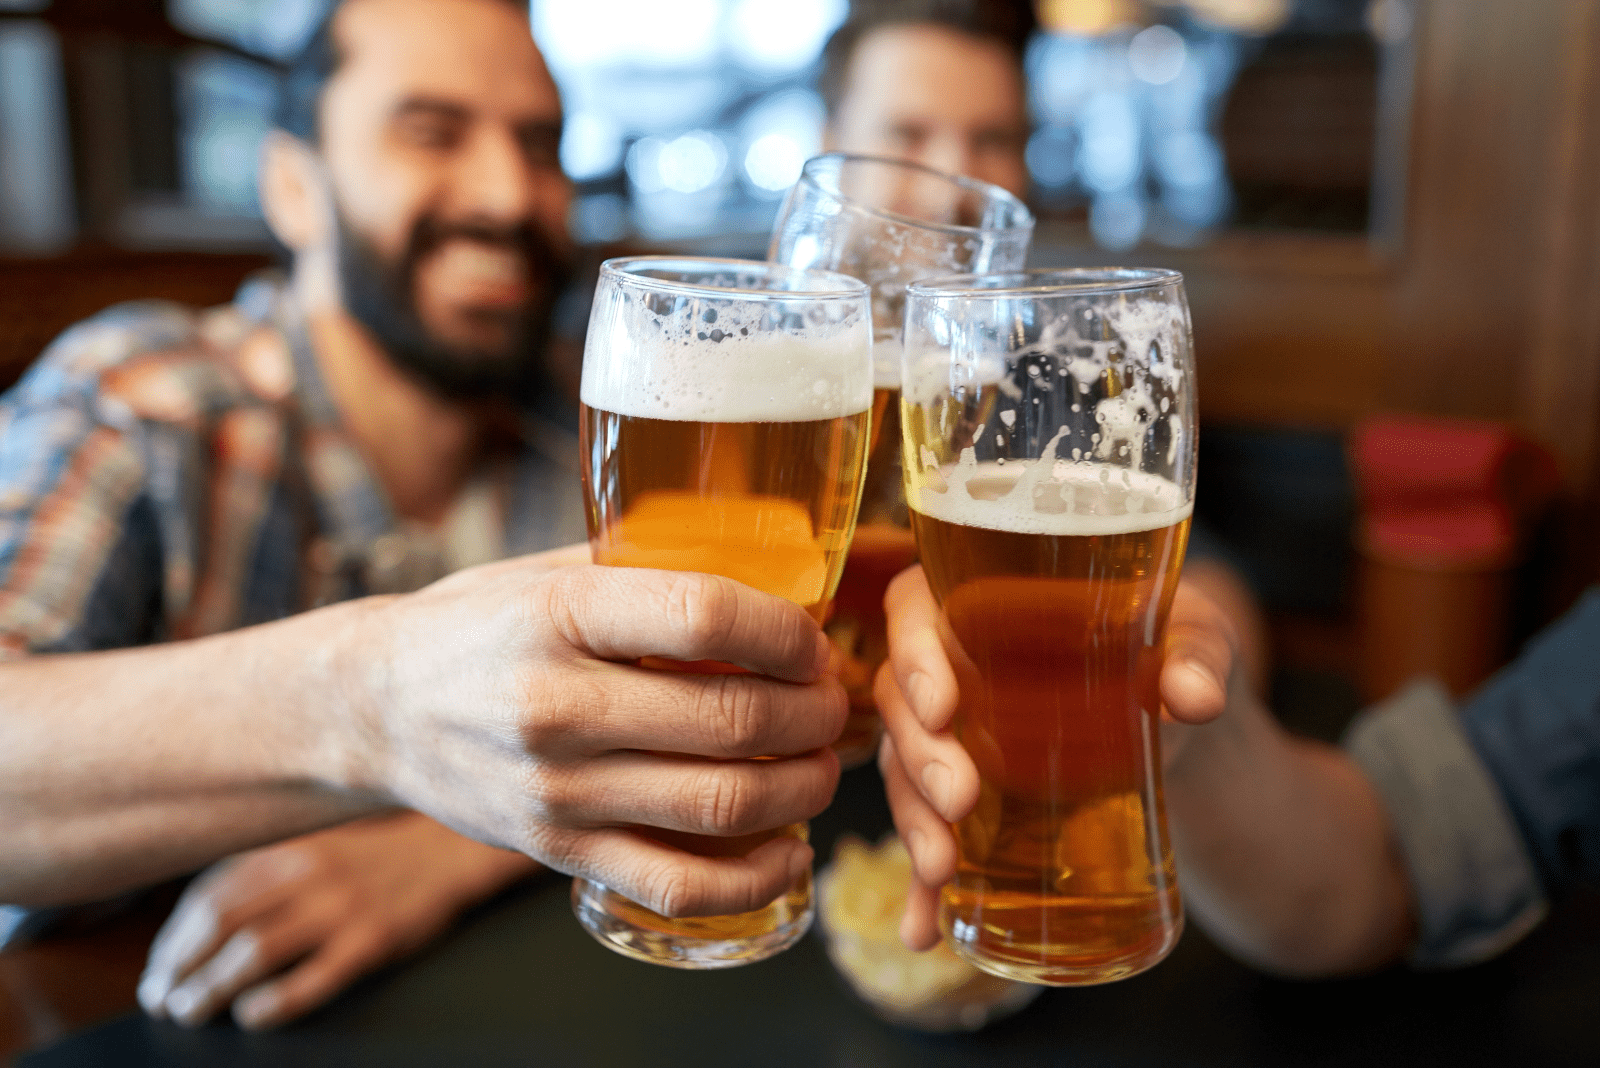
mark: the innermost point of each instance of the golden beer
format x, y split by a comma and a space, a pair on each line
1049, 458
767, 504
724, 430
883, 547
887, 222
1056, 629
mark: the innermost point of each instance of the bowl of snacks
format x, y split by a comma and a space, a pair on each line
860, 898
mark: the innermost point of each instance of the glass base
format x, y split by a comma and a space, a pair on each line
1067, 968
697, 943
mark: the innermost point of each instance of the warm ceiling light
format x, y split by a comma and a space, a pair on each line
1242, 16
1087, 18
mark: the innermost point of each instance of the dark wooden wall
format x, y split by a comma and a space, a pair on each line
1478, 291
41, 297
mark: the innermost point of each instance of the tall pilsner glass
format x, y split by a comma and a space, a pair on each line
724, 430
888, 222
1049, 435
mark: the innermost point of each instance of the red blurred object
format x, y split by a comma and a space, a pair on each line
1445, 506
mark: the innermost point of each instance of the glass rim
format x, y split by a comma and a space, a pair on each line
1047, 282
624, 269
808, 175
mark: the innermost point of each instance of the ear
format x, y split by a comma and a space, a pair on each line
294, 197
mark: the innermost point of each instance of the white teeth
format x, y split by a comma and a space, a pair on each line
482, 262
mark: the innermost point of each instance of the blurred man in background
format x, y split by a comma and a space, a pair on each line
943, 83
383, 418
938, 82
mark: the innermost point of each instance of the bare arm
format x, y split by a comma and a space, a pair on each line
501, 701
1284, 850
121, 768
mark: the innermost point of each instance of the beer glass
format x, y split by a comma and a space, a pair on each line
724, 423
1049, 436
887, 222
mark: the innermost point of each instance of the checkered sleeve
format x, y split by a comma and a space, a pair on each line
80, 561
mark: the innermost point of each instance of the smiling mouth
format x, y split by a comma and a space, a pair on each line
481, 273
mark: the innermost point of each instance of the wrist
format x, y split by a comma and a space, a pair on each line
353, 675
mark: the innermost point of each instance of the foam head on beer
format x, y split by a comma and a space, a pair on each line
725, 421
720, 356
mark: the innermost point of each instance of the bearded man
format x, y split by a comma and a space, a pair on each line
177, 480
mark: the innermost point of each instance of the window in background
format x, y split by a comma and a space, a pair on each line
36, 211
685, 120
1164, 120
272, 28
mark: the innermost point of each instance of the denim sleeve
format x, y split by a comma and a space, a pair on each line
1477, 891
1536, 725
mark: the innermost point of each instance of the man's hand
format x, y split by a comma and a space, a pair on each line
280, 930
930, 779
505, 702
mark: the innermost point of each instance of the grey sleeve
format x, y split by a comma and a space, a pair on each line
1476, 888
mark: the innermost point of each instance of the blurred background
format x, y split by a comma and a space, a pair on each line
1380, 206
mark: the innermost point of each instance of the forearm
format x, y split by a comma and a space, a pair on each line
1284, 849
122, 768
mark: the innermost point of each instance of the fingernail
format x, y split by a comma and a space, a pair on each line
936, 784
914, 842
182, 1003
152, 992
920, 692
251, 1010
1203, 673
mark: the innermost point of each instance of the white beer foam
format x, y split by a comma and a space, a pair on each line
765, 377
1048, 496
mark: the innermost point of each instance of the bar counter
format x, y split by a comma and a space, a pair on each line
519, 983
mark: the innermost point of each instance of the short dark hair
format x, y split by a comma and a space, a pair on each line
303, 79
1008, 22
305, 76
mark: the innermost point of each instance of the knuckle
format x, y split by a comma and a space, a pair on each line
560, 850
553, 600
541, 791
704, 608
671, 889
726, 801
553, 798
556, 714
733, 714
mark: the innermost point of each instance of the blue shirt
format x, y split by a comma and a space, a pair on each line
1496, 807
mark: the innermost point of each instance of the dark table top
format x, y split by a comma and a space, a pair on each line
520, 983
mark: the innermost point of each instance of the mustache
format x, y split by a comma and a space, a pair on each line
539, 252
379, 291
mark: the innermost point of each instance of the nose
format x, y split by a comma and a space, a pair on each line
494, 181
950, 153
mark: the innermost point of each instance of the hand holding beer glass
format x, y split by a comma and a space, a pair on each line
725, 409
1049, 435
887, 222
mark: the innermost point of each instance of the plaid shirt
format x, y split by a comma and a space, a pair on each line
167, 474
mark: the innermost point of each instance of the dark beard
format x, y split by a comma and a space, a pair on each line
382, 297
